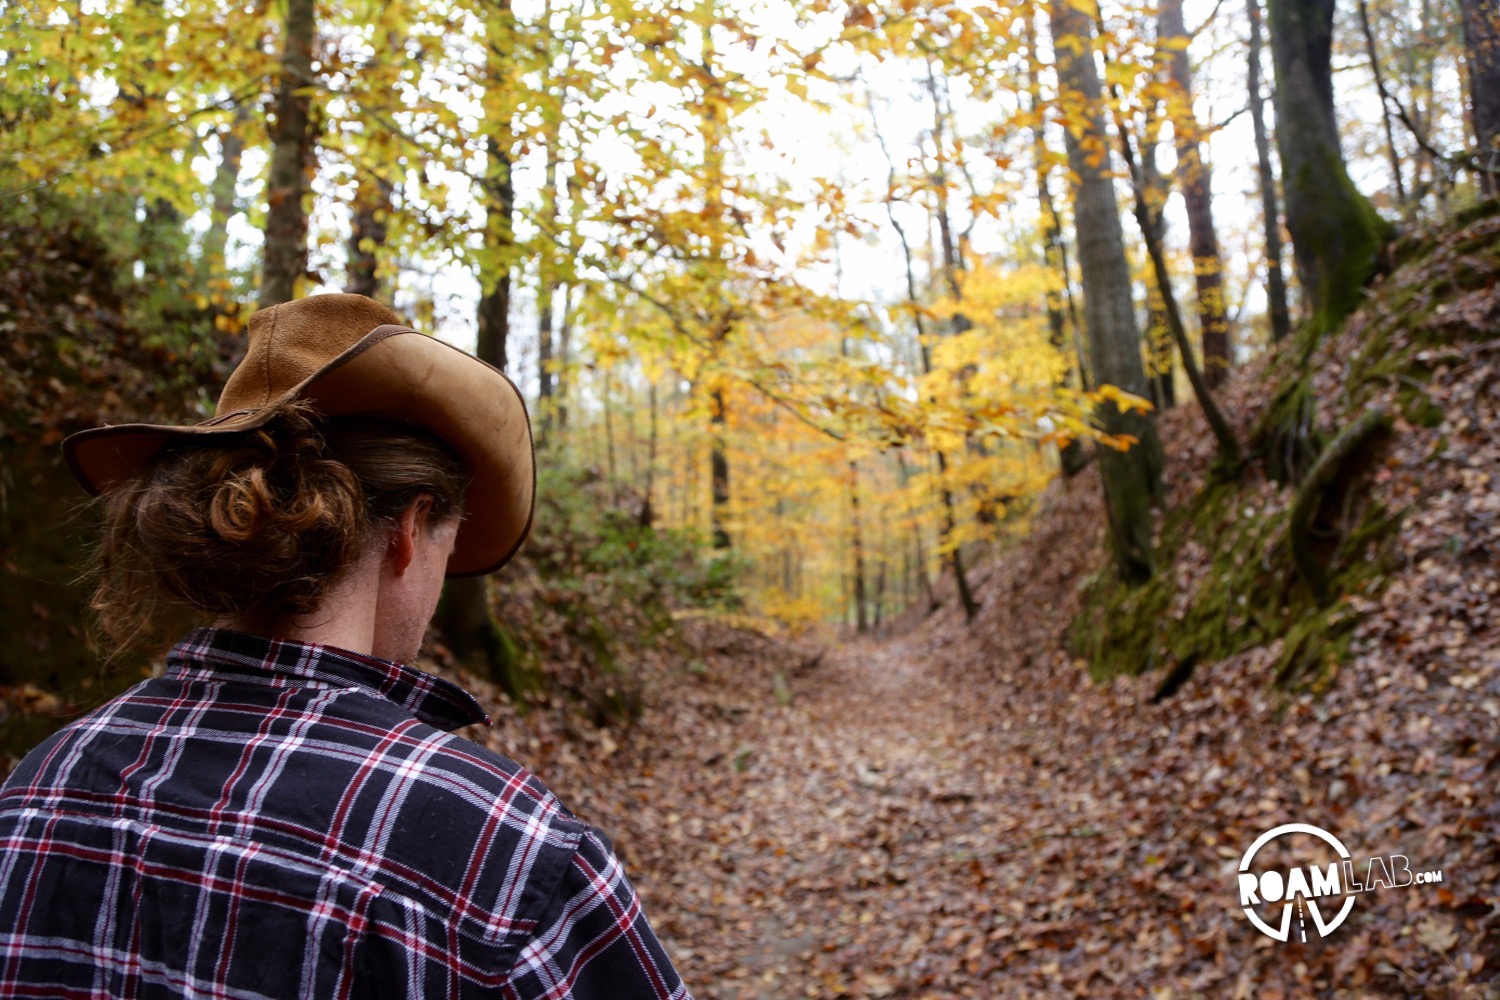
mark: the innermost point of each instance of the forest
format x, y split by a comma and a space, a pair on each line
996, 459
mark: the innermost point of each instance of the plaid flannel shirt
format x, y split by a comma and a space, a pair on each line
279, 819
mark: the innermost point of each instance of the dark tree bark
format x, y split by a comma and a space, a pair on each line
1131, 478
464, 614
291, 159
718, 465
1337, 235
1159, 347
924, 582
1059, 324
1148, 182
1193, 175
1281, 317
1391, 152
648, 513
551, 287
861, 619
950, 521
491, 343
1229, 449
953, 266
367, 233
222, 192
563, 349
1482, 53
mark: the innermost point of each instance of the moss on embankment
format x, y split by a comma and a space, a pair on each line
1283, 552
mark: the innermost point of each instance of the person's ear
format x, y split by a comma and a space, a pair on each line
402, 545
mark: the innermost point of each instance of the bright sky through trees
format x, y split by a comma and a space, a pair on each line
799, 243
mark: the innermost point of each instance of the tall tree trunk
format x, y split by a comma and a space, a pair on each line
1281, 317
1072, 456
1159, 346
1193, 174
924, 582
492, 339
291, 160
647, 515
606, 403
1148, 182
223, 194
498, 197
464, 614
161, 239
951, 246
1391, 152
1337, 235
1419, 63
950, 520
718, 464
1131, 478
1148, 216
545, 304
1482, 53
856, 528
549, 287
711, 131
1229, 448
367, 233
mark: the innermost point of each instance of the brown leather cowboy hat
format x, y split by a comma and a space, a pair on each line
350, 356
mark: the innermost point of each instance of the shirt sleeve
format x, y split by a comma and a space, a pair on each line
593, 940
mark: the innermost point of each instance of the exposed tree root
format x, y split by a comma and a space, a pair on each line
1321, 478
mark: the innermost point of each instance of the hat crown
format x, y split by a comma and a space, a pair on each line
291, 341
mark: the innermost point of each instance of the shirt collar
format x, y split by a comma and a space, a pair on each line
431, 699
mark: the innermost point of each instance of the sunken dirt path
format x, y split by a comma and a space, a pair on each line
961, 813
856, 839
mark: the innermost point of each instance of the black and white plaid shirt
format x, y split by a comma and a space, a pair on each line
278, 819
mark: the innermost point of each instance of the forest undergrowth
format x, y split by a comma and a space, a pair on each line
960, 810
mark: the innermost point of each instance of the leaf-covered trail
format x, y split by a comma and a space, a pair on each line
850, 829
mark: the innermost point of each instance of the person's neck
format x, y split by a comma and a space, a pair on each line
346, 618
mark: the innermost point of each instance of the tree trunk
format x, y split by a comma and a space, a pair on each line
1281, 317
924, 582
1071, 455
549, 288
647, 515
464, 615
491, 342
955, 558
1193, 175
1229, 449
1131, 478
1482, 53
222, 192
718, 463
861, 621
563, 348
1392, 153
1150, 184
291, 160
1149, 219
1337, 235
367, 233
1159, 346
606, 403
499, 200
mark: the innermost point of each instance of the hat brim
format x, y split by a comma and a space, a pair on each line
393, 373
